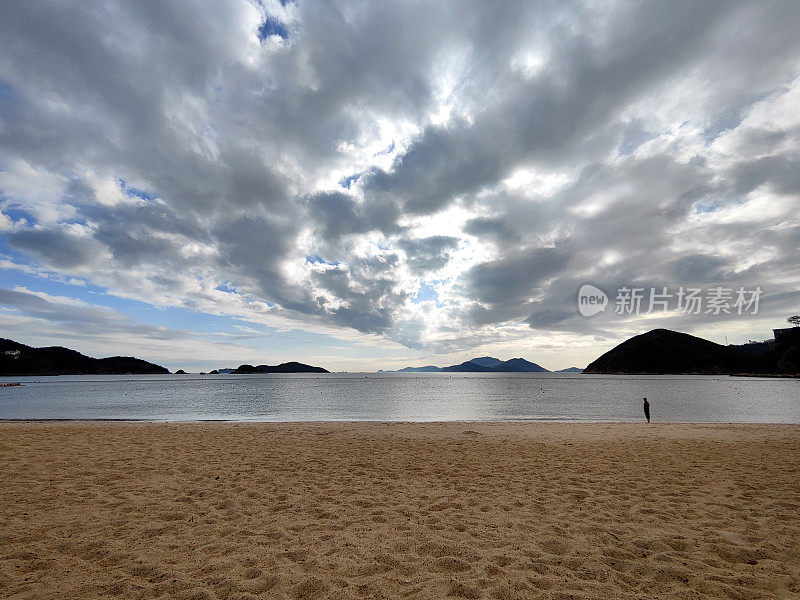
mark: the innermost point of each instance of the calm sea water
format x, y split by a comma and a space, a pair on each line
403, 397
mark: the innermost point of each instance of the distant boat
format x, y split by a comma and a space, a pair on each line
9, 384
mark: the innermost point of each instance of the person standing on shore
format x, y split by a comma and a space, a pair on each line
647, 409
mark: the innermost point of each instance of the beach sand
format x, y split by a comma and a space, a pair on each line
374, 510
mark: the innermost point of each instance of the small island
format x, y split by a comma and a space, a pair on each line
287, 367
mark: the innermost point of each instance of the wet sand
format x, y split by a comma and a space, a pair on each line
371, 510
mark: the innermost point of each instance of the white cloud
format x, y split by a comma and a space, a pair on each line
34, 189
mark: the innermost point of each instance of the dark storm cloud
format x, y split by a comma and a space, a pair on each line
57, 248
505, 288
255, 248
494, 228
428, 254
699, 267
783, 172
339, 214
369, 308
638, 125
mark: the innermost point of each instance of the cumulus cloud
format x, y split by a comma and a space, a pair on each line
442, 176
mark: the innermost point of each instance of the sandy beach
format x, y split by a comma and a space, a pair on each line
372, 510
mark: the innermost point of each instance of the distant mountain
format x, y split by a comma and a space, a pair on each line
467, 367
426, 369
479, 365
662, 351
518, 365
288, 367
486, 361
19, 359
570, 370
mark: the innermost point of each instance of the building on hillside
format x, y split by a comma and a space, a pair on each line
786, 334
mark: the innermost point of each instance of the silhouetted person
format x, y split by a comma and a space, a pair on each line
647, 409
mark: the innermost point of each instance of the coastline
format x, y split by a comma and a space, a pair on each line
220, 509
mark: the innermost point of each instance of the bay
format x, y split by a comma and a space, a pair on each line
404, 397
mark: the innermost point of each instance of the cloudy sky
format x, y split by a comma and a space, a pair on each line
364, 185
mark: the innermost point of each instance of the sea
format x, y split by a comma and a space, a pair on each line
423, 397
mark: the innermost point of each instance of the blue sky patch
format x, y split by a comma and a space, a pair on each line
346, 182
5, 90
707, 206
272, 26
316, 258
132, 191
388, 150
15, 213
427, 292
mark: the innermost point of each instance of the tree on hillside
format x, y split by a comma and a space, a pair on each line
794, 320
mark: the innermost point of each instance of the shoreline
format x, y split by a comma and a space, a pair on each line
351, 510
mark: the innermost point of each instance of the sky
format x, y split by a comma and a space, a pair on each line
366, 185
